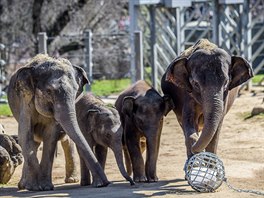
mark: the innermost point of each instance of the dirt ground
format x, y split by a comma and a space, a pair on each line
241, 149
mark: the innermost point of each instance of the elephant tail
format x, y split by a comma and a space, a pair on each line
127, 161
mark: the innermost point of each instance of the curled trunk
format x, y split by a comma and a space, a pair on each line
213, 114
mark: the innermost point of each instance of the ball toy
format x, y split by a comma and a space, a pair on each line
205, 172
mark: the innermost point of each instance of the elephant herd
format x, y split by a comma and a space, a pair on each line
46, 98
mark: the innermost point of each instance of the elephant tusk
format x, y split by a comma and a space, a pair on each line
79, 97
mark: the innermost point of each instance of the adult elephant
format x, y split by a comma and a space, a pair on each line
42, 98
141, 110
203, 83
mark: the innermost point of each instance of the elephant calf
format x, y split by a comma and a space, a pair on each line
101, 127
141, 110
10, 157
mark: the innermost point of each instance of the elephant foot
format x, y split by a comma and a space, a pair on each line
71, 180
153, 179
140, 178
28, 186
46, 186
85, 182
98, 183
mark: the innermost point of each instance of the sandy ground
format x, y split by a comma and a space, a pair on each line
241, 149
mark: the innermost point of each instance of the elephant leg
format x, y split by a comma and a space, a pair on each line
24, 182
85, 173
70, 160
133, 145
153, 142
190, 128
49, 146
29, 179
101, 154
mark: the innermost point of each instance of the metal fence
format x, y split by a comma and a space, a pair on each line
170, 26
89, 48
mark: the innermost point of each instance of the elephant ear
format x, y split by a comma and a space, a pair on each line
81, 76
24, 82
178, 74
169, 105
241, 71
128, 105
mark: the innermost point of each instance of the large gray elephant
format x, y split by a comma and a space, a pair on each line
101, 126
203, 83
42, 98
141, 110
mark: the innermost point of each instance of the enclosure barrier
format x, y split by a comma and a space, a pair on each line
170, 26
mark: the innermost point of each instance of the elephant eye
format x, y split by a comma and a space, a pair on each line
196, 85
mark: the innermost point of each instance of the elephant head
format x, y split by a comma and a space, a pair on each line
51, 87
208, 76
141, 109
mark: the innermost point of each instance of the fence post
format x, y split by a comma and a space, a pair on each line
216, 20
246, 39
153, 46
139, 55
42, 43
155, 68
133, 12
88, 66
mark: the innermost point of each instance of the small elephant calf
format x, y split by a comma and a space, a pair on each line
101, 127
10, 157
141, 110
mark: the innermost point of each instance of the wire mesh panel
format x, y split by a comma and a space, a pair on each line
195, 23
255, 30
230, 28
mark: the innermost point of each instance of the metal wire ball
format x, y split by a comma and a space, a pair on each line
205, 172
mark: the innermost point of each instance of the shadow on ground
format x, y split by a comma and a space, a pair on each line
116, 189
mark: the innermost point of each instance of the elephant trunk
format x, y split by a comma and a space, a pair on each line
117, 149
66, 117
213, 109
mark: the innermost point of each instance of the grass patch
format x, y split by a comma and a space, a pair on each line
5, 110
108, 87
257, 78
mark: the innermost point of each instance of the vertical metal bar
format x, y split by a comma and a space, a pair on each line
152, 45
246, 25
178, 22
139, 55
88, 57
133, 12
42, 43
182, 30
155, 68
216, 22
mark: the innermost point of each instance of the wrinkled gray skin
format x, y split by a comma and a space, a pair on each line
42, 98
101, 127
203, 83
141, 110
10, 157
